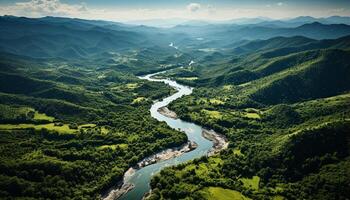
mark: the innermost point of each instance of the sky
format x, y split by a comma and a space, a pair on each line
209, 10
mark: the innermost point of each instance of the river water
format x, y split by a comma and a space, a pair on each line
141, 178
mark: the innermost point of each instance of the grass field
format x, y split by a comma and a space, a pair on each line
113, 146
138, 100
188, 78
216, 102
43, 116
87, 126
238, 152
252, 115
227, 87
217, 193
14, 113
202, 169
212, 113
252, 183
278, 197
51, 126
131, 85
104, 130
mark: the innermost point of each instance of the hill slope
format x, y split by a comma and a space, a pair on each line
285, 115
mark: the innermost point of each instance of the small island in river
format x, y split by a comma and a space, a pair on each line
166, 112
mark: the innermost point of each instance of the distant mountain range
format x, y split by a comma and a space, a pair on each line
314, 66
78, 38
298, 21
221, 35
292, 22
74, 38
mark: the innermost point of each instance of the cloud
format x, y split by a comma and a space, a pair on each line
280, 3
39, 8
193, 7
211, 9
193, 11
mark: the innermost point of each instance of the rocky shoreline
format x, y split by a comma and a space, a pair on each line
123, 187
166, 112
167, 154
220, 141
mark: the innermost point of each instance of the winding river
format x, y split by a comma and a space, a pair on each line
141, 177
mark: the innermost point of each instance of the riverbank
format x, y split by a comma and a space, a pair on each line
122, 187
220, 142
166, 112
167, 154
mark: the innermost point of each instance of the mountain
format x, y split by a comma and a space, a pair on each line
77, 21
324, 75
222, 35
242, 21
76, 38
67, 38
162, 23
298, 21
326, 20
273, 43
284, 106
337, 20
256, 59
49, 39
313, 30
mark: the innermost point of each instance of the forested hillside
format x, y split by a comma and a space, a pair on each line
284, 106
72, 132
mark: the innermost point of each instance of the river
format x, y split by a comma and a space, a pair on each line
141, 178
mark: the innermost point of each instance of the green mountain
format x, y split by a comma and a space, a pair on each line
323, 76
64, 127
221, 35
273, 43
67, 38
258, 59
77, 39
283, 104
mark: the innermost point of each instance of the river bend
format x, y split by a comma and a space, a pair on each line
141, 178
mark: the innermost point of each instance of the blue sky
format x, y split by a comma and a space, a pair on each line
125, 10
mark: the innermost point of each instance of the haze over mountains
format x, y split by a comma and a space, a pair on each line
75, 38
292, 22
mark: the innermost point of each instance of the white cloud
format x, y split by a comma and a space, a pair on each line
280, 3
193, 7
211, 9
195, 11
39, 8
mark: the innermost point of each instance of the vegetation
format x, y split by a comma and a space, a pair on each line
287, 121
73, 138
222, 194
74, 116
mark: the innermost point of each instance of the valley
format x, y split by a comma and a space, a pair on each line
198, 145
193, 111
